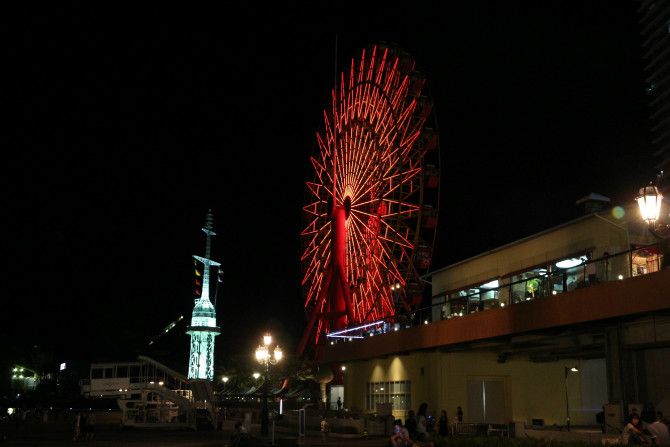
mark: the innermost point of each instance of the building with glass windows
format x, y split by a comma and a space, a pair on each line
507, 327
655, 30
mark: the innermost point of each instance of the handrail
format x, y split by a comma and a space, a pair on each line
590, 272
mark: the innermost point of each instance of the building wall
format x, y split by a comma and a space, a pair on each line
592, 232
531, 390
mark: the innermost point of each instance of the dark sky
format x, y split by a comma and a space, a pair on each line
129, 123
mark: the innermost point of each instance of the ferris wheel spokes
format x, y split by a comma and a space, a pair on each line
366, 199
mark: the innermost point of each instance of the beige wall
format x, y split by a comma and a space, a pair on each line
588, 233
533, 390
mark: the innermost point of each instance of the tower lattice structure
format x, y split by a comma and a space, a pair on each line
203, 326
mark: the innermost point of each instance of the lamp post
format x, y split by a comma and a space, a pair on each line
265, 359
649, 199
567, 402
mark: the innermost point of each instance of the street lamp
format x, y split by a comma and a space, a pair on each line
567, 404
264, 358
649, 199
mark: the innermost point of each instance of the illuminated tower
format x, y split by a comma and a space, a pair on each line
203, 326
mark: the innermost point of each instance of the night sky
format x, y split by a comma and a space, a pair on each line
127, 124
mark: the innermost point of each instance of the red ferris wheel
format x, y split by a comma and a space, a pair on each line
368, 221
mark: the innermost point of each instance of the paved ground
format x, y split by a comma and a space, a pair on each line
59, 434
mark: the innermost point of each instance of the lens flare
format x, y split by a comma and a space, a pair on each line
618, 212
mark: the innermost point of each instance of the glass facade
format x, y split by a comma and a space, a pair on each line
398, 393
554, 278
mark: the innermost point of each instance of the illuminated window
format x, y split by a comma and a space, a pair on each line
397, 393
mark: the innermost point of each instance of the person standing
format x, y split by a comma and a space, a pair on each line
324, 429
410, 424
339, 404
77, 426
421, 422
90, 425
443, 424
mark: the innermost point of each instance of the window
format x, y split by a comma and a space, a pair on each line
397, 393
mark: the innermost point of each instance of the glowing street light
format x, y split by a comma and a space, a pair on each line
264, 358
650, 199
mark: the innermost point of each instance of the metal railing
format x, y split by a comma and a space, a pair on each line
534, 284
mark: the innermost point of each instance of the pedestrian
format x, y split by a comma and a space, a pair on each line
324, 429
443, 424
600, 419
421, 422
90, 426
339, 404
410, 424
77, 426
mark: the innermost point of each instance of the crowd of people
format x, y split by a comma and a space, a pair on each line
84, 423
420, 426
649, 428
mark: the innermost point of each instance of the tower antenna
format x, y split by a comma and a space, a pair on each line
203, 326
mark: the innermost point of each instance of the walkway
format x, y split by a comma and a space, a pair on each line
108, 434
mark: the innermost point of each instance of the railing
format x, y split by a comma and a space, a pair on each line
535, 284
